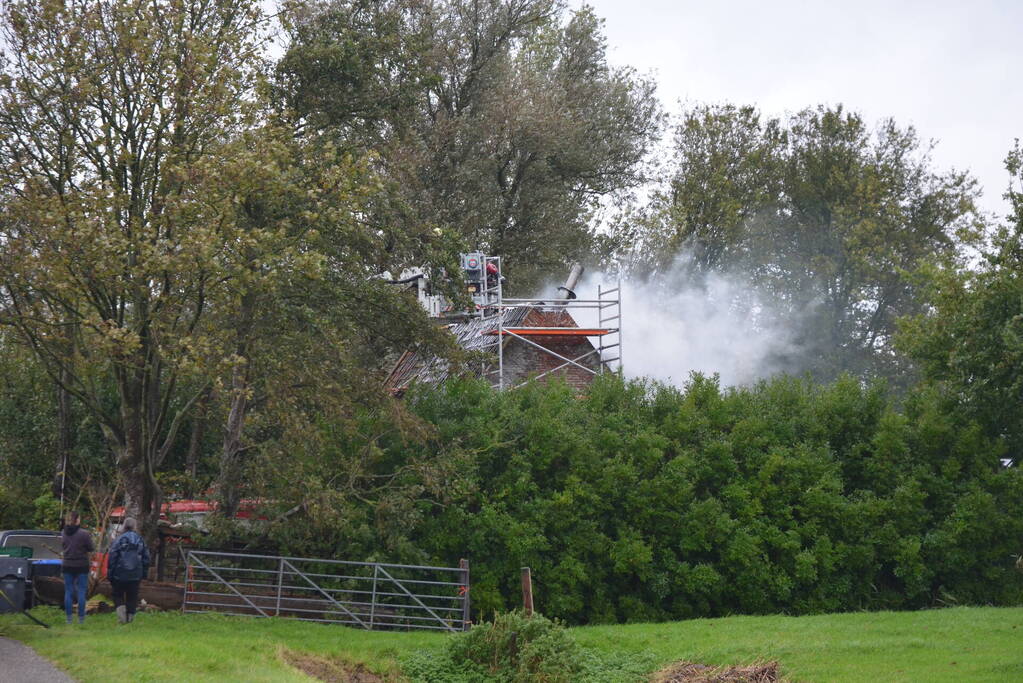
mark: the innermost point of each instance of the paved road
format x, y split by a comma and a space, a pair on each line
21, 664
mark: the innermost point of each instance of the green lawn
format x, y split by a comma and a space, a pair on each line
961, 644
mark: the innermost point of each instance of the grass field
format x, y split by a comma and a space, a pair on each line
961, 644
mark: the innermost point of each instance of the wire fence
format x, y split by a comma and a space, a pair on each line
370, 595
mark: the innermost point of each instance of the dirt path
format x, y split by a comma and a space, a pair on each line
21, 664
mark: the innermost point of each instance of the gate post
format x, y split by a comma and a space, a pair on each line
373, 600
280, 584
463, 564
188, 582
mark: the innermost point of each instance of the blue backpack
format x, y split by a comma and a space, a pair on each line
129, 560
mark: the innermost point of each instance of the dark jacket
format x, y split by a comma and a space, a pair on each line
128, 559
77, 546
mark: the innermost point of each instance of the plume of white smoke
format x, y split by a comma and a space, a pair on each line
672, 327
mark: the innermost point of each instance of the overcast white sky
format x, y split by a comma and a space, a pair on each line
952, 69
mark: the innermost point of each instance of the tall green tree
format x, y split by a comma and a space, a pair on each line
970, 339
111, 118
307, 323
357, 68
824, 218
170, 240
727, 176
501, 120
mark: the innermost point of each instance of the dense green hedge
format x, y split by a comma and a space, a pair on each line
644, 502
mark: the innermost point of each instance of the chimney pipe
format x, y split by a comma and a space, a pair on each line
567, 290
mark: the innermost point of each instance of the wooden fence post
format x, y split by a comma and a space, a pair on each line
527, 591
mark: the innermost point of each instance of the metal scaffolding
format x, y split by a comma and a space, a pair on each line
503, 323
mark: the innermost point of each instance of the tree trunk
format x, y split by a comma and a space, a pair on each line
142, 495
142, 500
195, 442
230, 455
230, 465
65, 438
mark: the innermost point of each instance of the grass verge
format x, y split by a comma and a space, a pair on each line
961, 644
169, 646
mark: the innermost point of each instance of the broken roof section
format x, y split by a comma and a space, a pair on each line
471, 335
542, 355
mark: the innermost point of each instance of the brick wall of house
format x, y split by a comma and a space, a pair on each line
522, 361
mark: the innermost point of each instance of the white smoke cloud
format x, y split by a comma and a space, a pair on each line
673, 328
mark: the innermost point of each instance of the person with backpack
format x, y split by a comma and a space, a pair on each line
127, 565
77, 544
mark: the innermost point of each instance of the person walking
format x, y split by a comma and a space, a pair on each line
127, 565
77, 544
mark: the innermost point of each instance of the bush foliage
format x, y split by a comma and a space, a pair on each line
640, 502
514, 647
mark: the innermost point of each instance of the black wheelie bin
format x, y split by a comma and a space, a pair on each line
15, 586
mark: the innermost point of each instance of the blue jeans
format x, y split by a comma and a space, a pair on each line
75, 585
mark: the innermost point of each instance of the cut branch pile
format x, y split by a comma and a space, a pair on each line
691, 672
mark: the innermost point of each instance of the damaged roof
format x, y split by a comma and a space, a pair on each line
476, 334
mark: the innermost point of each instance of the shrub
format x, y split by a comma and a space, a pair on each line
540, 650
516, 648
641, 502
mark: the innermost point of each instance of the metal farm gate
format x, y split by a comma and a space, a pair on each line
370, 595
